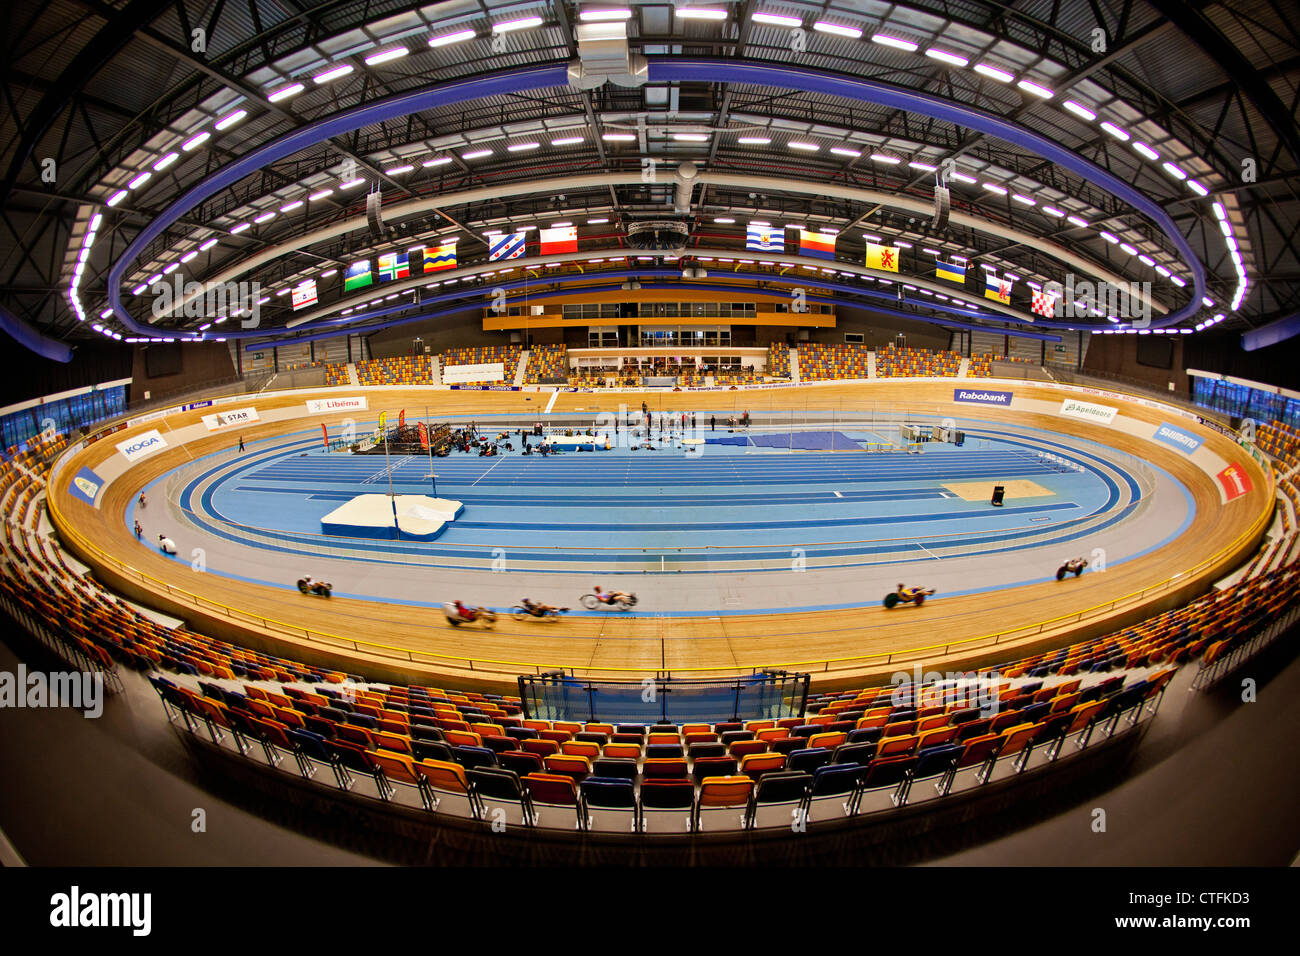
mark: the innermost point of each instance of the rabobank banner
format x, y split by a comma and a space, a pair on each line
142, 445
317, 406
86, 486
1177, 437
982, 396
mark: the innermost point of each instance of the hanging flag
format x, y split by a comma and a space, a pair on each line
997, 289
423, 432
304, 295
764, 239
394, 265
325, 435
509, 246
953, 271
819, 244
358, 276
884, 258
563, 239
440, 257
1044, 304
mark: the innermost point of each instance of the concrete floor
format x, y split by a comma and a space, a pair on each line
1214, 783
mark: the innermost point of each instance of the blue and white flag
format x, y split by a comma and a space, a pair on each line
509, 246
765, 239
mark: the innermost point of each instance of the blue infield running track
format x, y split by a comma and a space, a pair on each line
736, 502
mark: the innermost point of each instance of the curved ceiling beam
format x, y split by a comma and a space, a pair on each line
29, 338
721, 70
567, 184
661, 70
337, 124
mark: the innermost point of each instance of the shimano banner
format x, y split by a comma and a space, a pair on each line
1179, 439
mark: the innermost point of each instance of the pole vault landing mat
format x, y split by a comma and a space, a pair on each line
418, 517
803, 441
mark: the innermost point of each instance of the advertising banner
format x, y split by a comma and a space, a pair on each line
316, 406
1181, 440
142, 445
1101, 414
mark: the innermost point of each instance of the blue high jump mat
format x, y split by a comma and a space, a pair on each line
807, 441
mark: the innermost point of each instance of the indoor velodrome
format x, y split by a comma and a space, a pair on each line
755, 434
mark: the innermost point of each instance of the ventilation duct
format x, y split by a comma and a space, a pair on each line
604, 57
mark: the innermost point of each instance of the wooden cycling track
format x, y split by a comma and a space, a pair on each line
840, 648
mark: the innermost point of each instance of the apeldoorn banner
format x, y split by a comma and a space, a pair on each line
1235, 481
85, 485
982, 396
142, 445
1101, 414
236, 416
1180, 439
317, 406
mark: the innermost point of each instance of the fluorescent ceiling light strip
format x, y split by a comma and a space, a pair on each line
993, 72
333, 73
944, 56
229, 120
449, 38
838, 29
292, 89
385, 56
776, 20
898, 43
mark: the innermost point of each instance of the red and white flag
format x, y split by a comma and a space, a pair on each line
559, 239
1044, 304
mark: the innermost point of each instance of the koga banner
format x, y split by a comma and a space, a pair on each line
1101, 414
1179, 439
317, 406
238, 416
982, 396
462, 374
142, 445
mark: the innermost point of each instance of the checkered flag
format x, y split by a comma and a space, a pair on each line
1044, 304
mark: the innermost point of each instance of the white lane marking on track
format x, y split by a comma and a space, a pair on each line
838, 495
485, 474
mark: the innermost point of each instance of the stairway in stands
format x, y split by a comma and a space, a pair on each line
521, 370
352, 374
871, 365
435, 369
794, 365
